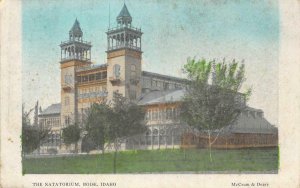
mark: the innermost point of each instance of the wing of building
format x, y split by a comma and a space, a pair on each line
84, 83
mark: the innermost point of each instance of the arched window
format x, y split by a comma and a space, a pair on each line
155, 132
67, 101
169, 113
133, 71
132, 94
117, 69
148, 132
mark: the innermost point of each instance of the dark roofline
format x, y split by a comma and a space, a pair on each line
91, 67
146, 73
42, 114
253, 109
51, 114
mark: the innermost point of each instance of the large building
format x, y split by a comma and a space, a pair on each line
84, 83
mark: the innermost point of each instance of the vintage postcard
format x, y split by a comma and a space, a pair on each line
151, 93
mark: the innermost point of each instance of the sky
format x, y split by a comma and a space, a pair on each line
173, 30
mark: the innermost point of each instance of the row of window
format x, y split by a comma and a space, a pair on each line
50, 122
53, 139
92, 89
92, 77
117, 71
163, 114
161, 84
67, 120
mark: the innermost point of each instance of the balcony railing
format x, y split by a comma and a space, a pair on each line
114, 80
86, 68
124, 45
66, 87
91, 81
124, 27
80, 41
75, 58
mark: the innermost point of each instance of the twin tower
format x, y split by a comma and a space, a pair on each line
82, 83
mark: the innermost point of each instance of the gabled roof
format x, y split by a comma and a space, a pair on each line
51, 110
124, 12
251, 120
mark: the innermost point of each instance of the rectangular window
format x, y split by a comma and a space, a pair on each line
169, 113
104, 75
91, 77
78, 79
67, 101
85, 79
150, 114
98, 76
66, 120
67, 79
147, 115
159, 84
155, 115
160, 114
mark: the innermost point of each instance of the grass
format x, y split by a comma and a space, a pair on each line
159, 161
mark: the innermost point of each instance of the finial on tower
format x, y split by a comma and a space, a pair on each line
75, 48
124, 17
75, 32
124, 36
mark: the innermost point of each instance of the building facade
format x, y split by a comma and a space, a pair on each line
50, 119
84, 83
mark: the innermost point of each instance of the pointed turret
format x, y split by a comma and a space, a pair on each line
124, 36
75, 48
75, 32
124, 17
124, 57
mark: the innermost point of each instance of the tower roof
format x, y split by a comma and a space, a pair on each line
124, 12
76, 31
124, 16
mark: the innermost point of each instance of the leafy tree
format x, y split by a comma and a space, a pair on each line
125, 119
32, 136
71, 134
114, 123
96, 123
211, 107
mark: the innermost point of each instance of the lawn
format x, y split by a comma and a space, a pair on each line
160, 161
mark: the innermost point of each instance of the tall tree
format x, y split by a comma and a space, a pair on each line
96, 123
126, 119
71, 135
210, 107
113, 123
